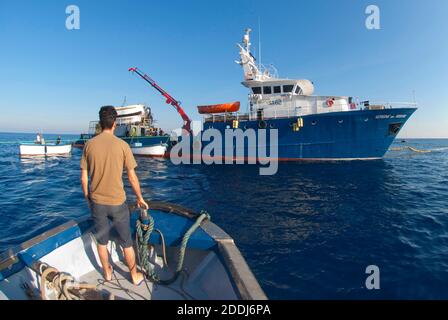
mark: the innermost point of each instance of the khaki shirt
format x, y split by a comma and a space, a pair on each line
104, 157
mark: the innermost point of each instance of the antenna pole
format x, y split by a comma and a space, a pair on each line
259, 42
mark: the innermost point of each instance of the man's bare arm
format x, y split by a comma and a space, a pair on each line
85, 183
135, 184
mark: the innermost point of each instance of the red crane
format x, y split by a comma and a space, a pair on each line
169, 99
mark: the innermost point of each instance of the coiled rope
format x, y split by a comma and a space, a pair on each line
63, 285
144, 228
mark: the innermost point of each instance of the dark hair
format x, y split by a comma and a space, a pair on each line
108, 115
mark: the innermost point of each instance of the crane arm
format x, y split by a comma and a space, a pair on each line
169, 99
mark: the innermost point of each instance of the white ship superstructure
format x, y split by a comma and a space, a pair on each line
274, 97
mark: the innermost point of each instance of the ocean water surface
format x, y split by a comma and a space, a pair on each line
308, 232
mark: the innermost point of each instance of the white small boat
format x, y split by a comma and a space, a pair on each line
158, 150
30, 149
186, 257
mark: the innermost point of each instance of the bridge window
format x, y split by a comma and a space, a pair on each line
256, 90
267, 90
288, 88
298, 90
277, 89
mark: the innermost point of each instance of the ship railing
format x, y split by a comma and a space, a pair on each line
226, 117
299, 111
269, 70
254, 115
388, 104
294, 111
93, 127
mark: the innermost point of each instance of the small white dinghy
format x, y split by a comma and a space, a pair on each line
186, 257
158, 150
34, 149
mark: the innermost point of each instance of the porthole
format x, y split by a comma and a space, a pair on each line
227, 126
340, 121
366, 119
245, 127
314, 122
271, 126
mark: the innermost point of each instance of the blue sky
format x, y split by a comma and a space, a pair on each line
56, 80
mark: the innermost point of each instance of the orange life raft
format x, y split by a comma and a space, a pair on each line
220, 108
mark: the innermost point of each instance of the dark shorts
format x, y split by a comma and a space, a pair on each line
108, 217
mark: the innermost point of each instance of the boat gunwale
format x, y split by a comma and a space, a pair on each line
33, 144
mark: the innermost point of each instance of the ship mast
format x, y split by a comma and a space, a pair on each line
247, 61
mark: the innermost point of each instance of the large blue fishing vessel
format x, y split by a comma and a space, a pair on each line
310, 127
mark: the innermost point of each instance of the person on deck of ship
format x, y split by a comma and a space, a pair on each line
103, 160
58, 140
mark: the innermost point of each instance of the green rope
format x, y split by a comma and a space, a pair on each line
181, 255
143, 235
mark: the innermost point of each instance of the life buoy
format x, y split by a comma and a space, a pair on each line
330, 102
134, 132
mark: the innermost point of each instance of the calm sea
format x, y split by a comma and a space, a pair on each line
309, 232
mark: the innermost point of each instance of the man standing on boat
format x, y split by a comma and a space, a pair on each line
103, 160
38, 139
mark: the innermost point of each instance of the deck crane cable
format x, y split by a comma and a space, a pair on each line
169, 99
144, 228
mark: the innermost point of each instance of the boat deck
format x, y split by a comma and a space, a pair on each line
213, 270
121, 287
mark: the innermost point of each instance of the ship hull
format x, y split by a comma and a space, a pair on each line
151, 146
32, 150
335, 136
